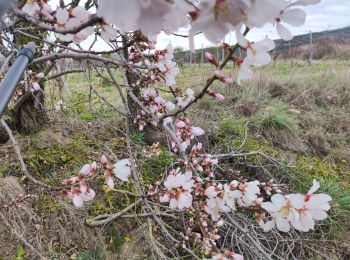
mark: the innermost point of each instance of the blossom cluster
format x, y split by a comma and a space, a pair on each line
300, 211
213, 18
76, 187
29, 84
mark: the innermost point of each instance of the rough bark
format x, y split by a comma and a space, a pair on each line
30, 116
132, 79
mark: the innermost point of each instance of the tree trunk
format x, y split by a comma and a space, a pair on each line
28, 114
31, 115
136, 90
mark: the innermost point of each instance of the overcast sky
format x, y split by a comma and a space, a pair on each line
328, 15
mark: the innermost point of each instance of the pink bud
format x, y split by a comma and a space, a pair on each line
180, 124
83, 187
217, 96
211, 58
93, 166
85, 170
228, 80
109, 182
104, 159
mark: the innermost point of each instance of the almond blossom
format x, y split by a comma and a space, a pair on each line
187, 98
108, 33
216, 19
257, 55
122, 169
281, 211
294, 17
150, 16
167, 66
31, 7
296, 210
81, 194
247, 193
179, 188
214, 206
70, 20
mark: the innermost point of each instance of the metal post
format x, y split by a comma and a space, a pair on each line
222, 54
202, 54
311, 47
14, 75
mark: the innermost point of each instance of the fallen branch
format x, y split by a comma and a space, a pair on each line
21, 238
97, 222
250, 238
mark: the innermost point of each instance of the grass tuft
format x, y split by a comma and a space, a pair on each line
276, 117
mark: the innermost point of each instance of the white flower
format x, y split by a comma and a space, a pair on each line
81, 194
108, 33
66, 20
197, 131
257, 55
31, 7
294, 17
77, 200
214, 206
183, 101
150, 16
216, 19
168, 67
229, 197
298, 210
85, 170
170, 105
179, 187
247, 193
122, 169
212, 191
280, 210
109, 180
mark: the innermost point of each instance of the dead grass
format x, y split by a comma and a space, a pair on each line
315, 120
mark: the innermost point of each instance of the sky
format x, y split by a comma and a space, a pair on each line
327, 15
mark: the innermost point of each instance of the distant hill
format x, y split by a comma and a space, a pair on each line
333, 36
299, 44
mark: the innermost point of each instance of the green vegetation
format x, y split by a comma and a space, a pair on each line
114, 239
94, 254
45, 205
274, 118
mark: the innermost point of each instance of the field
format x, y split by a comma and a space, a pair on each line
291, 116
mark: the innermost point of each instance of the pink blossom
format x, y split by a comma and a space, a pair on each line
31, 7
211, 58
216, 95
109, 179
104, 159
197, 131
85, 170
179, 187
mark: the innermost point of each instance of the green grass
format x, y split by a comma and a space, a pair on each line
274, 118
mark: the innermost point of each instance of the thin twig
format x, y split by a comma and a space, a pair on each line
97, 222
20, 237
250, 238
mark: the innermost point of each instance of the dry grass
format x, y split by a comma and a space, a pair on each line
314, 121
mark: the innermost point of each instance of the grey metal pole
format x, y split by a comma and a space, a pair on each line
14, 75
311, 47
